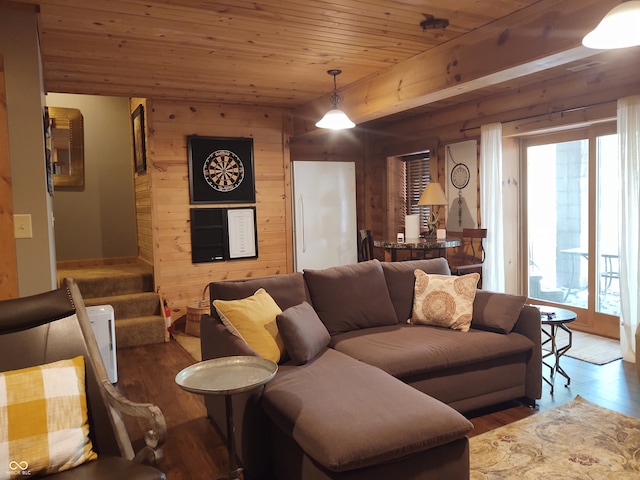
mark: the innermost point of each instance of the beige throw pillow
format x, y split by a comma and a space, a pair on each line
444, 300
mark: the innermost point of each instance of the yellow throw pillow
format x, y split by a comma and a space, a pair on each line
444, 300
44, 426
254, 320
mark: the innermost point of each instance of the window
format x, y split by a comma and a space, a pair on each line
416, 176
407, 175
572, 210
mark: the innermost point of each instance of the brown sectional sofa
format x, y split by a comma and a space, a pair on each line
364, 394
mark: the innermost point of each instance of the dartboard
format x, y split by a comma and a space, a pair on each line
223, 170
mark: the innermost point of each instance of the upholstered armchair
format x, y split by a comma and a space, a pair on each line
52, 374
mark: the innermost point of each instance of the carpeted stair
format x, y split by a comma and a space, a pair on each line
128, 288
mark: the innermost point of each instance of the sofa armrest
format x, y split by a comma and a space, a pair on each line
530, 326
155, 426
217, 341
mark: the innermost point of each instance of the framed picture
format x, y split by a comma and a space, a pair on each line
221, 170
139, 148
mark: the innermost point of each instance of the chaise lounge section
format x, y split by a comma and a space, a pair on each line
361, 393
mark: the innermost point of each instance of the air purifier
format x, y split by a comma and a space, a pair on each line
103, 323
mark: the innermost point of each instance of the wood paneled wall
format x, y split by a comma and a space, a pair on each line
169, 124
142, 186
573, 99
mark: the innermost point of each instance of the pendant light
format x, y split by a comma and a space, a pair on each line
335, 119
618, 29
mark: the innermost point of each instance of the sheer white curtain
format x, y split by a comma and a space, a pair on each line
629, 238
491, 206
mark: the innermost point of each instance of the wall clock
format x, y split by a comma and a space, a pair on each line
460, 176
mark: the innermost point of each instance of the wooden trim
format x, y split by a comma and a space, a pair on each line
8, 259
20, 7
96, 262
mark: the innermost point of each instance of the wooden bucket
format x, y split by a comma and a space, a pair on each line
194, 312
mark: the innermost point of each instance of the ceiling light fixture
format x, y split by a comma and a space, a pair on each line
618, 28
335, 119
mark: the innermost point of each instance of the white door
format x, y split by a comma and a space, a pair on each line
325, 227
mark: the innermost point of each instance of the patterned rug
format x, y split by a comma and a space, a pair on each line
578, 440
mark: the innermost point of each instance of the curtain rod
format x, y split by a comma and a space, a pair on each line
555, 112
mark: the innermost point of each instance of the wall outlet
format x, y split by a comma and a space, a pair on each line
22, 226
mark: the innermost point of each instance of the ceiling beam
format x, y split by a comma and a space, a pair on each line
545, 35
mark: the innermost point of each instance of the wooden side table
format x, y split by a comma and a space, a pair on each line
556, 319
227, 376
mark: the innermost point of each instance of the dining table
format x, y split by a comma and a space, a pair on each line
427, 244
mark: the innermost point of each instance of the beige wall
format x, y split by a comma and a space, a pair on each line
25, 100
106, 204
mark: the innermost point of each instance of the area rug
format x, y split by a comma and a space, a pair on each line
590, 348
578, 440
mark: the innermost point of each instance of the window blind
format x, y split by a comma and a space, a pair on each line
417, 176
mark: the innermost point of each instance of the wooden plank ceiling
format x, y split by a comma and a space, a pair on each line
277, 52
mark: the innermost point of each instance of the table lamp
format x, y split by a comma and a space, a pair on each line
433, 195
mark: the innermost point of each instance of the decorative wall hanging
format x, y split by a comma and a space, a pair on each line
139, 146
221, 170
462, 185
65, 145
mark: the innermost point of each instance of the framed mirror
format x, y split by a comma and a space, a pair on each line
67, 144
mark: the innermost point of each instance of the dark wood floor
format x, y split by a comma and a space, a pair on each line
194, 450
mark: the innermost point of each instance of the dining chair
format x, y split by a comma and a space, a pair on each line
365, 245
472, 254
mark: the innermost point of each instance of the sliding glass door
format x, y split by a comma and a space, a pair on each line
572, 224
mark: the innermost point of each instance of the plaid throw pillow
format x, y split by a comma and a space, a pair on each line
43, 419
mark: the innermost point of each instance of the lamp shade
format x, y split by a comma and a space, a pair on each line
620, 28
433, 195
335, 119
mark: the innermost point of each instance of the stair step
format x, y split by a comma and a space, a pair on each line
132, 332
129, 289
130, 305
109, 280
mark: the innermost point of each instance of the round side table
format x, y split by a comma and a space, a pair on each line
556, 319
227, 376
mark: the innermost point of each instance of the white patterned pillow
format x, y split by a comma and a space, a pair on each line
444, 300
43, 419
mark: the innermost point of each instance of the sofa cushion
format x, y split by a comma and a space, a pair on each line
351, 297
316, 404
496, 312
443, 300
303, 333
254, 320
287, 290
408, 350
45, 425
401, 280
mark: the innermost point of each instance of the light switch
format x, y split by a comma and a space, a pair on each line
22, 226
